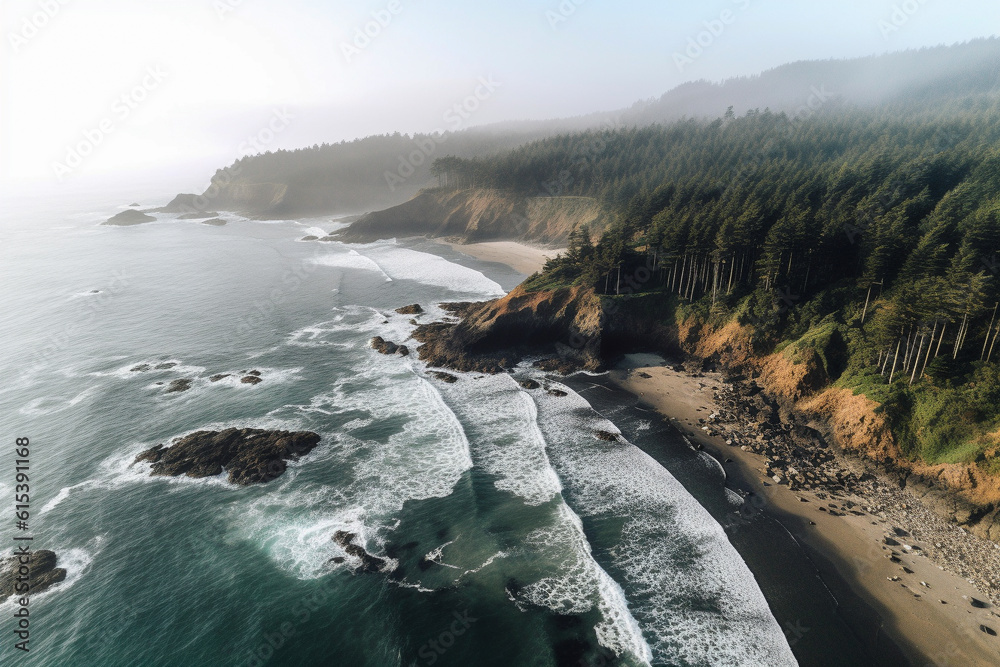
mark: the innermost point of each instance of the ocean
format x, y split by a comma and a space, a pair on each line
518, 537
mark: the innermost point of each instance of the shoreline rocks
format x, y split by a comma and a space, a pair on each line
387, 347
415, 309
42, 569
248, 456
369, 563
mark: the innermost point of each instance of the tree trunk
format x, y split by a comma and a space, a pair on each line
916, 363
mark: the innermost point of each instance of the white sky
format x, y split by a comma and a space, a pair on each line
227, 71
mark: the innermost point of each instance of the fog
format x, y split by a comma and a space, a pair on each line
114, 91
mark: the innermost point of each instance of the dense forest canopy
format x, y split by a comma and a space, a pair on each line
876, 230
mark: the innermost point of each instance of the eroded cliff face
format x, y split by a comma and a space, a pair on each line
480, 215
574, 328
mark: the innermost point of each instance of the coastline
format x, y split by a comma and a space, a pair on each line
521, 257
847, 545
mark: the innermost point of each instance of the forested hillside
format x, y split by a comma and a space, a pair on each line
868, 235
385, 170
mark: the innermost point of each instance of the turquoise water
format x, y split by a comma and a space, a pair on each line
520, 539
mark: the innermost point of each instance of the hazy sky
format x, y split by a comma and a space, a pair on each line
143, 87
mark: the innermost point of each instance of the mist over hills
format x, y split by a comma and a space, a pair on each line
385, 170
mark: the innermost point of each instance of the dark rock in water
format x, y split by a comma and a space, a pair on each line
251, 379
403, 351
338, 560
255, 373
42, 572
369, 563
343, 538
558, 393
135, 204
95, 291
141, 368
561, 366
165, 367
178, 386
415, 309
606, 437
215, 222
250, 456
199, 215
309, 238
444, 377
384, 346
129, 218
530, 384
219, 377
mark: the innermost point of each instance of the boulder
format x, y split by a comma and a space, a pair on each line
249, 456
415, 309
530, 384
444, 377
129, 218
42, 569
178, 386
251, 379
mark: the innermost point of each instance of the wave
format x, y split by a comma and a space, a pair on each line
425, 458
695, 598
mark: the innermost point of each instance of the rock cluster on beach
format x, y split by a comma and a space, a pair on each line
799, 457
249, 456
42, 571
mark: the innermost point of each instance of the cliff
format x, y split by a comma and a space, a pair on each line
574, 328
480, 215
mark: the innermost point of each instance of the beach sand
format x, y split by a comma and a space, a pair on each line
523, 258
927, 612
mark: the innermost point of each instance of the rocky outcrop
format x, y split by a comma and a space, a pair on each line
248, 456
178, 386
42, 573
368, 562
387, 347
480, 215
215, 222
415, 309
198, 215
575, 328
129, 218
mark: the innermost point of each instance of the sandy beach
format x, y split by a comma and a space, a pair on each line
521, 257
913, 568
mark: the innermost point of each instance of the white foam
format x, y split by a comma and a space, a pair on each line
671, 550
50, 405
294, 524
405, 264
351, 259
508, 443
